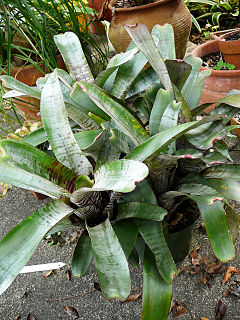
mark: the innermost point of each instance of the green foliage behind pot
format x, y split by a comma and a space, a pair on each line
127, 127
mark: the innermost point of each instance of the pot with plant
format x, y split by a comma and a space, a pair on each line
219, 82
229, 46
150, 13
125, 172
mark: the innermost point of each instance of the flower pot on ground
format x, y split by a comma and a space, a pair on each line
122, 171
229, 45
219, 82
160, 12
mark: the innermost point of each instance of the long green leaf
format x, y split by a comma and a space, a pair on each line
152, 233
226, 171
73, 56
217, 230
12, 83
82, 256
144, 41
163, 37
20, 178
18, 245
110, 261
232, 221
140, 210
57, 127
157, 292
154, 145
229, 189
117, 112
31, 159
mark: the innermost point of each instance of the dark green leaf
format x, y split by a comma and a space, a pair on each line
82, 256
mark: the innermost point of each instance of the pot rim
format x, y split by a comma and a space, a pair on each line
222, 38
144, 6
214, 72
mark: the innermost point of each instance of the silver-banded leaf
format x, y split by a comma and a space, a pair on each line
163, 99
12, 83
144, 41
127, 233
117, 112
58, 129
140, 210
152, 233
115, 62
153, 145
163, 37
82, 256
215, 221
118, 175
71, 50
17, 247
126, 74
157, 293
20, 178
196, 64
121, 141
110, 261
81, 118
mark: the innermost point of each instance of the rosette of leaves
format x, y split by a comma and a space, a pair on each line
144, 115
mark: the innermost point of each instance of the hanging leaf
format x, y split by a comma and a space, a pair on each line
82, 256
110, 261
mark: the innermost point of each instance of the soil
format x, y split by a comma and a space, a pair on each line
212, 59
234, 36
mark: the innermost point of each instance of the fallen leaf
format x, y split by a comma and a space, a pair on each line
202, 318
97, 286
69, 275
179, 309
48, 273
214, 267
226, 293
132, 297
194, 255
205, 279
235, 289
220, 310
72, 312
190, 269
206, 260
17, 317
30, 317
196, 270
230, 271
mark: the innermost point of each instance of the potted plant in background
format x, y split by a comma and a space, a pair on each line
35, 23
149, 13
124, 145
229, 45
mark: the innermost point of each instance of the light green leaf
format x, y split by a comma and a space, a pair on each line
157, 292
163, 37
226, 171
17, 247
217, 230
229, 189
82, 256
71, 50
140, 210
57, 127
110, 261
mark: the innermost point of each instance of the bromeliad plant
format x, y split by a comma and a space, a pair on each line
126, 123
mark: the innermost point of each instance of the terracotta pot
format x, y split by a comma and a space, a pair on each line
29, 107
230, 49
174, 12
220, 82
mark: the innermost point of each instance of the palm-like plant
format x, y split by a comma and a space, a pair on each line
117, 140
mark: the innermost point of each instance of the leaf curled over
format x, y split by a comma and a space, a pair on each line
220, 310
72, 312
229, 272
